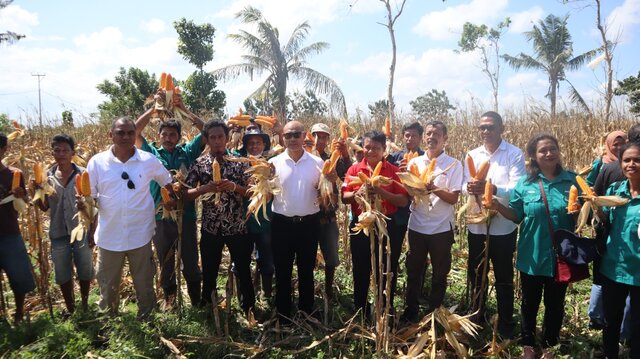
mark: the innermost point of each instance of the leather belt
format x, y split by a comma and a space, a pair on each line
296, 219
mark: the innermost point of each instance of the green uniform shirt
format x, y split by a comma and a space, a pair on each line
183, 154
596, 166
621, 261
535, 247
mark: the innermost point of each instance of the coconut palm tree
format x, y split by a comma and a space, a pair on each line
553, 53
265, 54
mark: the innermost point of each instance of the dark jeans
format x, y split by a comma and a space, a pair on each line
361, 258
240, 248
501, 249
532, 288
264, 252
438, 248
614, 296
165, 242
294, 241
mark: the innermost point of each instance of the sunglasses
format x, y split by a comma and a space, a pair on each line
130, 184
487, 128
294, 134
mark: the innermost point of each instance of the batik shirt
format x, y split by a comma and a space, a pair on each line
227, 218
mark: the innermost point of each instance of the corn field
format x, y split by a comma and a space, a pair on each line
445, 333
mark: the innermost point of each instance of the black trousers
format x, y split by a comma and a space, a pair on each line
361, 259
614, 295
294, 241
164, 241
438, 248
501, 249
532, 290
240, 248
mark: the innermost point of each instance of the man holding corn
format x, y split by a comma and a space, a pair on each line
120, 179
175, 157
506, 166
14, 260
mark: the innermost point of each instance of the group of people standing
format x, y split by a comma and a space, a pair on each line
127, 178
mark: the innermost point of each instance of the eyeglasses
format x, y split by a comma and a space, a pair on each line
294, 134
487, 128
130, 184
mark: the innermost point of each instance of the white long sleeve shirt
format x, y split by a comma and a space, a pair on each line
506, 168
126, 217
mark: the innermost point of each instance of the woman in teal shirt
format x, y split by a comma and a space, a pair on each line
620, 266
536, 257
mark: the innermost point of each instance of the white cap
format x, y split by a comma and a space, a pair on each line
320, 127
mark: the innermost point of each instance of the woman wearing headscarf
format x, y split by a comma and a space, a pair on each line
612, 144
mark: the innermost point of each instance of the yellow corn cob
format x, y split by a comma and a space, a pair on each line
363, 177
471, 167
376, 171
163, 80
584, 187
483, 170
335, 155
488, 193
414, 169
426, 175
270, 119
572, 205
79, 185
38, 173
15, 183
264, 123
166, 197
387, 127
326, 167
344, 131
215, 170
169, 83
85, 184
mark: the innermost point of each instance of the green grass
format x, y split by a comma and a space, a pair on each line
194, 334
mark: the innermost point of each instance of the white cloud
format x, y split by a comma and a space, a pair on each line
523, 81
623, 19
447, 24
154, 26
16, 19
524, 21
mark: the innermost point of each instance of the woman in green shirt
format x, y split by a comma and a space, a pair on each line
620, 266
536, 257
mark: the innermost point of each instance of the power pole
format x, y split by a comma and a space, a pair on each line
39, 97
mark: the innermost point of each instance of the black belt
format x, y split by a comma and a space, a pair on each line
296, 219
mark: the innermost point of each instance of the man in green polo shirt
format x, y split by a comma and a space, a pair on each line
173, 156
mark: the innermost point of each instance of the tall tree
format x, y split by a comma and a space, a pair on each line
307, 105
391, 21
127, 93
432, 105
631, 88
608, 48
265, 54
553, 54
195, 44
9, 37
487, 41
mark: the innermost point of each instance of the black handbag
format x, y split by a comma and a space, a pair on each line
575, 249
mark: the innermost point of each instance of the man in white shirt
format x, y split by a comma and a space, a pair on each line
295, 222
506, 168
120, 178
431, 224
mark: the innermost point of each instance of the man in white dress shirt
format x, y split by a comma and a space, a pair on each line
120, 178
295, 222
506, 168
431, 224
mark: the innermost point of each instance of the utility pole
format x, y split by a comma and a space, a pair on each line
39, 97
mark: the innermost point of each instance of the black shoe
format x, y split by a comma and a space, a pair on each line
409, 316
595, 325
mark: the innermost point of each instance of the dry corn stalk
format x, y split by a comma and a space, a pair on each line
416, 183
475, 213
17, 133
325, 186
166, 199
593, 202
42, 187
167, 102
264, 184
89, 209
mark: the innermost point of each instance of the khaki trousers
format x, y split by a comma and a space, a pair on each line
109, 276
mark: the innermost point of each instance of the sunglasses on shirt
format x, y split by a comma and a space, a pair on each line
294, 134
130, 184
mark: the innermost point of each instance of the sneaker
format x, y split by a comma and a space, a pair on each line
528, 352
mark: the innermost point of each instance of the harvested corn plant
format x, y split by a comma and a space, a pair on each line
18, 203
416, 183
167, 102
328, 198
475, 212
264, 184
593, 203
89, 209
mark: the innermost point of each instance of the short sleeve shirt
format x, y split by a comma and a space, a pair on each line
62, 203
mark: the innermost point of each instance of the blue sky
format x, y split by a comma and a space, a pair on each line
78, 44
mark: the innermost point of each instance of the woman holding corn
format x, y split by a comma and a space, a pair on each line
620, 267
538, 202
391, 195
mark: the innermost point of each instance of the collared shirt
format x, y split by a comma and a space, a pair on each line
299, 183
183, 155
609, 173
63, 203
126, 218
535, 246
387, 170
621, 261
439, 216
228, 217
506, 168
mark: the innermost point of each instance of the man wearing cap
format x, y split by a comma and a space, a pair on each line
295, 222
256, 143
328, 234
174, 156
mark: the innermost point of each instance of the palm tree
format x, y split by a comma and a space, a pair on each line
266, 55
553, 50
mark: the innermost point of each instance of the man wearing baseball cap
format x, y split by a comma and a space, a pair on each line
328, 236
